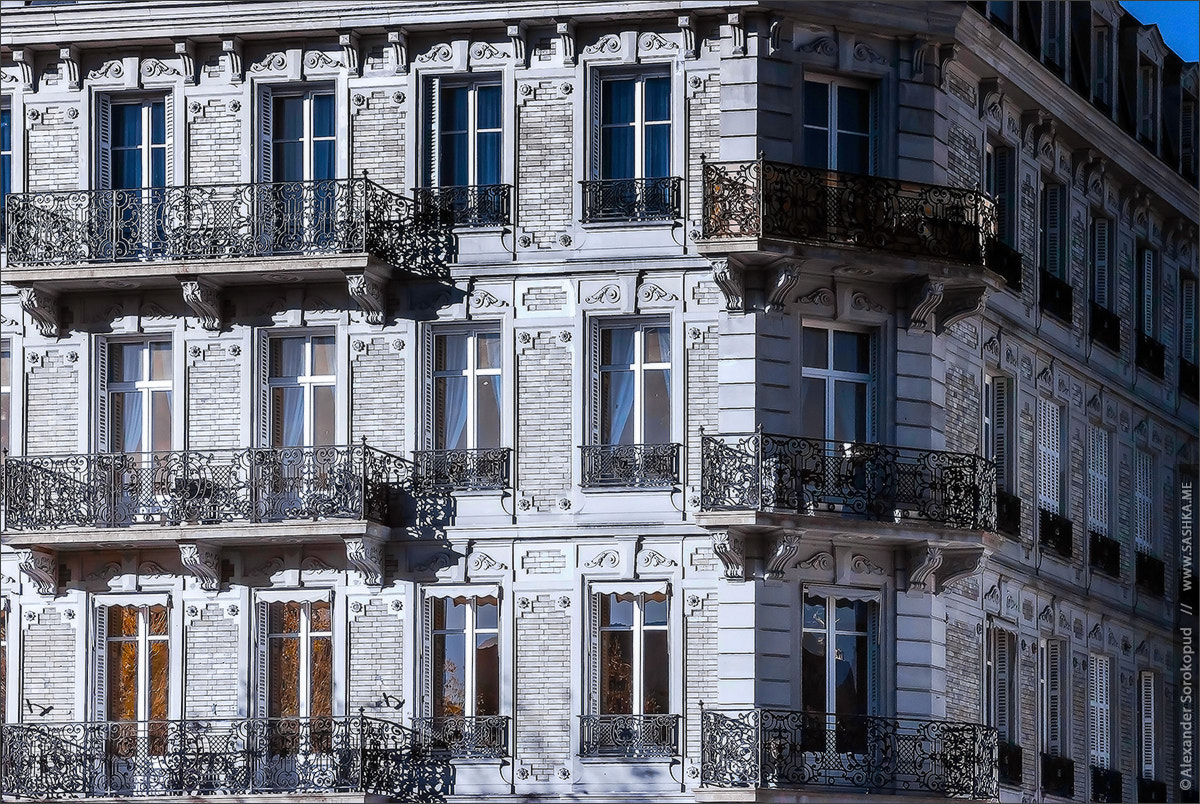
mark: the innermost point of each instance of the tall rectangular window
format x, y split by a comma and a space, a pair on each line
1148, 292
839, 126
997, 427
1054, 35
1147, 102
133, 673
464, 656
1098, 480
299, 658
1146, 704
134, 155
1189, 330
468, 134
1052, 697
634, 662
635, 127
839, 676
1053, 240
1001, 683
466, 390
303, 136
5, 161
1143, 518
1101, 252
302, 379
1187, 139
837, 389
634, 383
5, 393
1102, 66
999, 183
138, 396
1099, 711
1049, 449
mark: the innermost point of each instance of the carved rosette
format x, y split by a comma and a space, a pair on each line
365, 554
42, 568
731, 549
205, 301
203, 562
368, 294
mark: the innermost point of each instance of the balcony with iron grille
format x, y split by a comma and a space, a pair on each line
1106, 784
1008, 514
1189, 379
1104, 554
1058, 776
1150, 355
1012, 769
222, 495
1149, 574
1151, 790
471, 206
463, 469
784, 209
463, 737
637, 466
229, 233
1056, 297
750, 479
1055, 533
629, 736
360, 758
1105, 328
791, 750
631, 200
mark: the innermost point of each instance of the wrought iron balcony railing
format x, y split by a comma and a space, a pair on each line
1106, 784
630, 465
214, 222
1005, 260
1104, 554
481, 737
225, 758
1105, 328
107, 490
1189, 379
468, 204
463, 469
628, 735
1149, 573
775, 200
1058, 776
775, 748
1149, 790
1008, 514
1056, 297
1151, 355
762, 472
631, 199
1012, 771
1055, 533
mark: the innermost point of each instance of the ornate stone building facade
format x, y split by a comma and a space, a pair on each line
659, 400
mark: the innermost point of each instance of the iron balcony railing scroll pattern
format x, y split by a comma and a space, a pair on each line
763, 472
463, 469
655, 199
58, 761
108, 490
471, 205
478, 737
777, 748
629, 736
630, 465
211, 222
775, 200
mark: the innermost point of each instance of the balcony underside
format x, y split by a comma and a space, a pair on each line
832, 527
247, 534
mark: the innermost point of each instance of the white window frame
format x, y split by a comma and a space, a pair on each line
472, 372
145, 387
830, 376
1054, 702
1000, 687
831, 132
1049, 451
639, 368
306, 381
1098, 480
263, 637
637, 662
99, 648
472, 83
599, 78
104, 138
266, 127
472, 597
1100, 711
1143, 502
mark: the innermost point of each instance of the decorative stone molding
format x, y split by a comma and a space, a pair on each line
397, 41
651, 43
609, 43
481, 298
861, 301
606, 559
348, 42
821, 297
958, 303
42, 568
156, 68
652, 559
368, 293
203, 562
687, 26
276, 61
737, 33
205, 301
787, 545
42, 307
865, 566
730, 548
821, 46
821, 561
787, 276
928, 297
24, 59
731, 283
366, 554
437, 562
232, 48
481, 563
649, 293
922, 562
68, 59
517, 34
609, 294
864, 52
185, 49
565, 31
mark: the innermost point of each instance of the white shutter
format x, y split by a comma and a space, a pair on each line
100, 665
427, 680
1187, 335
1097, 480
874, 659
431, 128
1099, 692
1049, 426
265, 134
1003, 658
1146, 690
1053, 230
429, 347
262, 362
1143, 483
593, 687
262, 676
1000, 428
1004, 196
1148, 289
103, 142
169, 124
596, 403
1100, 278
1053, 690
102, 423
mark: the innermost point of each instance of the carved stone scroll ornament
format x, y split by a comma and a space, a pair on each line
731, 549
205, 301
368, 294
922, 563
366, 554
786, 278
729, 279
957, 563
787, 545
42, 568
202, 561
926, 300
42, 307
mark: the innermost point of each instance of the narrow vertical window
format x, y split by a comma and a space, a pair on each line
139, 396
1148, 290
998, 179
5, 162
1147, 97
1000, 687
299, 659
838, 127
1146, 696
5, 394
837, 389
1102, 66
631, 168
132, 161
1051, 694
465, 164
634, 384
1187, 139
302, 376
1143, 480
1098, 480
1101, 246
838, 670
1099, 703
1189, 332
465, 657
466, 390
997, 428
1053, 232
1049, 424
1054, 35
134, 660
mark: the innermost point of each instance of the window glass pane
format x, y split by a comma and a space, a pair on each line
816, 348
449, 675
287, 121
658, 344
658, 151
488, 354
487, 410
160, 423
454, 162
158, 123
617, 102
816, 148
126, 170
852, 352
851, 615
6, 130
488, 109
159, 622
283, 662
812, 407
122, 621
850, 674
284, 618
455, 113
487, 165
288, 164
486, 614
812, 669
4, 418
617, 153
616, 400
319, 617
321, 678
656, 425
816, 104
324, 416
126, 421
158, 170
126, 122
616, 611
122, 680
160, 360
658, 98
656, 674
125, 362
323, 162
854, 153
849, 411
287, 413
323, 355
854, 109
487, 674
323, 117
454, 613
655, 610
450, 352
159, 678
617, 346
616, 672
814, 612
287, 357
450, 412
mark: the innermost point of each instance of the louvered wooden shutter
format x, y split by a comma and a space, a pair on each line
1188, 136
100, 665
1002, 658
873, 133
427, 679
169, 124
1049, 457
1100, 278
1099, 693
103, 142
263, 364
1097, 480
1053, 230
594, 658
262, 670
1187, 335
1148, 290
428, 415
1146, 691
266, 134
431, 128
1000, 430
102, 403
873, 390
1053, 713
1004, 195
1143, 479
595, 332
874, 660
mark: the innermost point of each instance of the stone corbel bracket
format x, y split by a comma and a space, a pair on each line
687, 24
922, 563
398, 43
203, 562
24, 58
368, 293
731, 549
925, 300
787, 546
737, 33
42, 568
205, 301
936, 307
185, 49
366, 554
787, 276
517, 33
69, 58
42, 306
232, 48
565, 31
730, 280
348, 42
932, 568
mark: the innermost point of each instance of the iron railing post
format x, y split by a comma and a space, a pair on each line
759, 465
363, 480
362, 736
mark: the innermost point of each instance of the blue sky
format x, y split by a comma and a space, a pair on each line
1178, 21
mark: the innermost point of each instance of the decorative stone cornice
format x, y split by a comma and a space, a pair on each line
958, 563
348, 42
517, 33
68, 57
731, 283
928, 297
24, 59
787, 276
42, 568
203, 562
232, 48
398, 44
185, 49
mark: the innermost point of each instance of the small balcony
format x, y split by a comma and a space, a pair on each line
642, 466
812, 477
1055, 533
1105, 329
1008, 514
1058, 776
761, 205
1151, 356
1149, 573
220, 758
469, 205
1150, 790
1056, 297
776, 748
260, 485
631, 199
230, 229
1189, 379
1104, 554
463, 469
1005, 260
628, 736
1012, 771
1106, 784
478, 737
